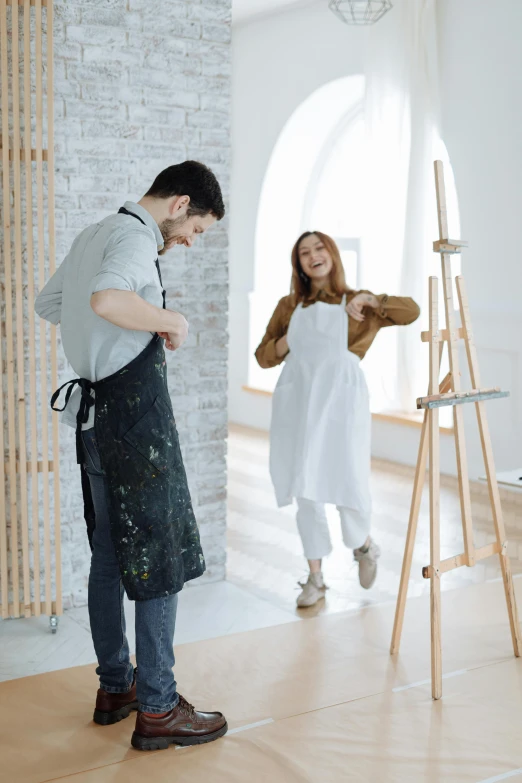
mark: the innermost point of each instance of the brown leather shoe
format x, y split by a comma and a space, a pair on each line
113, 707
181, 726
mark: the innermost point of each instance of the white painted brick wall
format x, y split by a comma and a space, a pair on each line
142, 84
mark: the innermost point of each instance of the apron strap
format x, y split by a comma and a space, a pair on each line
343, 332
54, 398
123, 211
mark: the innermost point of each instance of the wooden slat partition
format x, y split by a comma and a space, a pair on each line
22, 2
29, 448
8, 326
26, 152
19, 307
4, 575
32, 464
44, 390
37, 608
28, 144
52, 269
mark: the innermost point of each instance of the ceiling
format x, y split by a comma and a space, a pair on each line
243, 10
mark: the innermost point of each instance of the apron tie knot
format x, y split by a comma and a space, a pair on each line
87, 400
86, 403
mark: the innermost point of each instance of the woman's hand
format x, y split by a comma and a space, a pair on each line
355, 306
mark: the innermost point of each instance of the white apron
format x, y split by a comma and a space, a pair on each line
321, 426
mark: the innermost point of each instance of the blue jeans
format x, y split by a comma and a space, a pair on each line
155, 619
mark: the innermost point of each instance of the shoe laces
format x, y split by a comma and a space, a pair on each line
308, 581
372, 553
186, 708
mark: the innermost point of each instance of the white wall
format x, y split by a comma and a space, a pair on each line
480, 61
277, 62
481, 88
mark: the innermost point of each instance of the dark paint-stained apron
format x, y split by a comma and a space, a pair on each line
153, 526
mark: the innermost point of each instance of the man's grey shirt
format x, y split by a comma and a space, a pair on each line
118, 252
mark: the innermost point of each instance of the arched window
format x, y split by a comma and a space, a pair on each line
289, 203
332, 203
317, 179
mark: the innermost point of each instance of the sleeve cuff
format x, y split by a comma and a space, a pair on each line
52, 314
383, 301
107, 280
271, 357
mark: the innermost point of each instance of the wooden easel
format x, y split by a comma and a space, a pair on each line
448, 392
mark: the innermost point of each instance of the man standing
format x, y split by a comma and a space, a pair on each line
108, 298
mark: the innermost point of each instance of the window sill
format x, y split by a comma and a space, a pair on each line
392, 417
407, 419
259, 392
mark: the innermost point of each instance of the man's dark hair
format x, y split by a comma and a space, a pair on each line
193, 179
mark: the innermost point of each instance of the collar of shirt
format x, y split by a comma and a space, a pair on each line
322, 294
147, 218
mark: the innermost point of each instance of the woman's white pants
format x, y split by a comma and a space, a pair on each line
313, 528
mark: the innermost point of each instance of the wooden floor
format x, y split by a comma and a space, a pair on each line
265, 564
314, 695
319, 700
264, 549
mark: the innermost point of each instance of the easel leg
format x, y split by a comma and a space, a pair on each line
458, 414
489, 463
500, 531
458, 418
436, 646
418, 485
434, 451
463, 482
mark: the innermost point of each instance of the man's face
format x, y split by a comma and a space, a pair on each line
181, 230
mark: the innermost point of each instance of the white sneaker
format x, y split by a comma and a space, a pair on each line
313, 590
367, 559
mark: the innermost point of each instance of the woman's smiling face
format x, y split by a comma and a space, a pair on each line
316, 261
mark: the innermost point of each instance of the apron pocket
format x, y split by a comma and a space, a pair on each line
154, 434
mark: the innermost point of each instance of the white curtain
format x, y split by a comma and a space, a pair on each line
401, 112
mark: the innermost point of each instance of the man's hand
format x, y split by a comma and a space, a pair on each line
355, 307
175, 338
